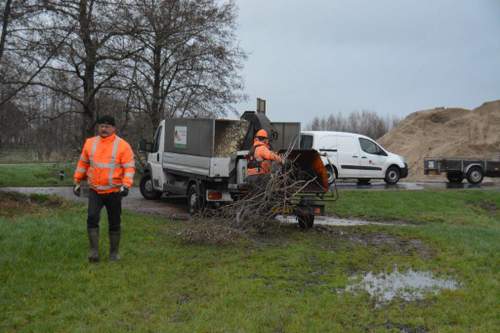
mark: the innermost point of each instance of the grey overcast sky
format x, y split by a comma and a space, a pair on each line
394, 57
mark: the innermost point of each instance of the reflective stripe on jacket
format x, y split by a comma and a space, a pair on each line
264, 156
106, 163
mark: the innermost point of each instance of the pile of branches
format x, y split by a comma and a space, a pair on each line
255, 210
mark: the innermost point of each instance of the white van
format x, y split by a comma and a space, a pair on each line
350, 155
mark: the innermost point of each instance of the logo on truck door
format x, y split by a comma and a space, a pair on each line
180, 136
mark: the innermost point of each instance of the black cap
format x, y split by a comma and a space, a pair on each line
109, 120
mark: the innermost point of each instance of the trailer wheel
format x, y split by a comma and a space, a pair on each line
147, 189
305, 217
194, 200
475, 175
455, 177
392, 175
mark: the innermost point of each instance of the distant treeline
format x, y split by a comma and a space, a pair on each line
367, 123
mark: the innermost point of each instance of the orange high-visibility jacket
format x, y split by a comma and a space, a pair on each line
264, 157
107, 163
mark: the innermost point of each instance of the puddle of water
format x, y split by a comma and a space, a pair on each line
327, 220
409, 286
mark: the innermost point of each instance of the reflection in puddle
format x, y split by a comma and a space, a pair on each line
409, 286
328, 220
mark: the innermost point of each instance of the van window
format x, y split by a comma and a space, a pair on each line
306, 141
370, 147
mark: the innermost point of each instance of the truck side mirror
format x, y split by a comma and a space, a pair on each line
145, 146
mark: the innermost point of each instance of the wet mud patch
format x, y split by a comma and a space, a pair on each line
379, 240
482, 206
14, 204
209, 233
213, 232
403, 328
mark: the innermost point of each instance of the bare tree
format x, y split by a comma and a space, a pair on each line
189, 60
92, 38
23, 54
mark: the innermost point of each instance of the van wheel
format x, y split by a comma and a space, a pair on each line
392, 175
147, 189
332, 175
455, 177
194, 200
475, 175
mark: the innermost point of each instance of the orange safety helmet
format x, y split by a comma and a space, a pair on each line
261, 134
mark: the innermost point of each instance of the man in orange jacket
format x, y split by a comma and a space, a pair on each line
107, 162
260, 158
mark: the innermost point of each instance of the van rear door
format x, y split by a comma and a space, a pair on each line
328, 145
348, 153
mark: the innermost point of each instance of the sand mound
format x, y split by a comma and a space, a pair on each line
446, 132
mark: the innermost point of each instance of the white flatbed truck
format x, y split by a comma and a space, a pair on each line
205, 161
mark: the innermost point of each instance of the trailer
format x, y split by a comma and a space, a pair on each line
205, 161
458, 169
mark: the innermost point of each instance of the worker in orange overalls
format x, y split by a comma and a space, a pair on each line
260, 159
107, 162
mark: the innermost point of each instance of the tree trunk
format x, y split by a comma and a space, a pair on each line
5, 25
89, 105
155, 103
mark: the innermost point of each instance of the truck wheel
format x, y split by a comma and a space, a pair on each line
195, 201
331, 174
392, 175
147, 189
475, 175
455, 177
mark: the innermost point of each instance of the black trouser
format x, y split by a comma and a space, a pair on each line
113, 204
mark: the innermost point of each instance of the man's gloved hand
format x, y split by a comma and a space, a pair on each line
124, 191
77, 190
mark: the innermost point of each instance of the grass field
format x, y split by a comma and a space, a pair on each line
36, 174
284, 281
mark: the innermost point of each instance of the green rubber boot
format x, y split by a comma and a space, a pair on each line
93, 245
114, 245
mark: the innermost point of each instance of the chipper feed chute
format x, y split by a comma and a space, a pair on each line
307, 166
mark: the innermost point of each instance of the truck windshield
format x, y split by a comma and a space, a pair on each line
306, 141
